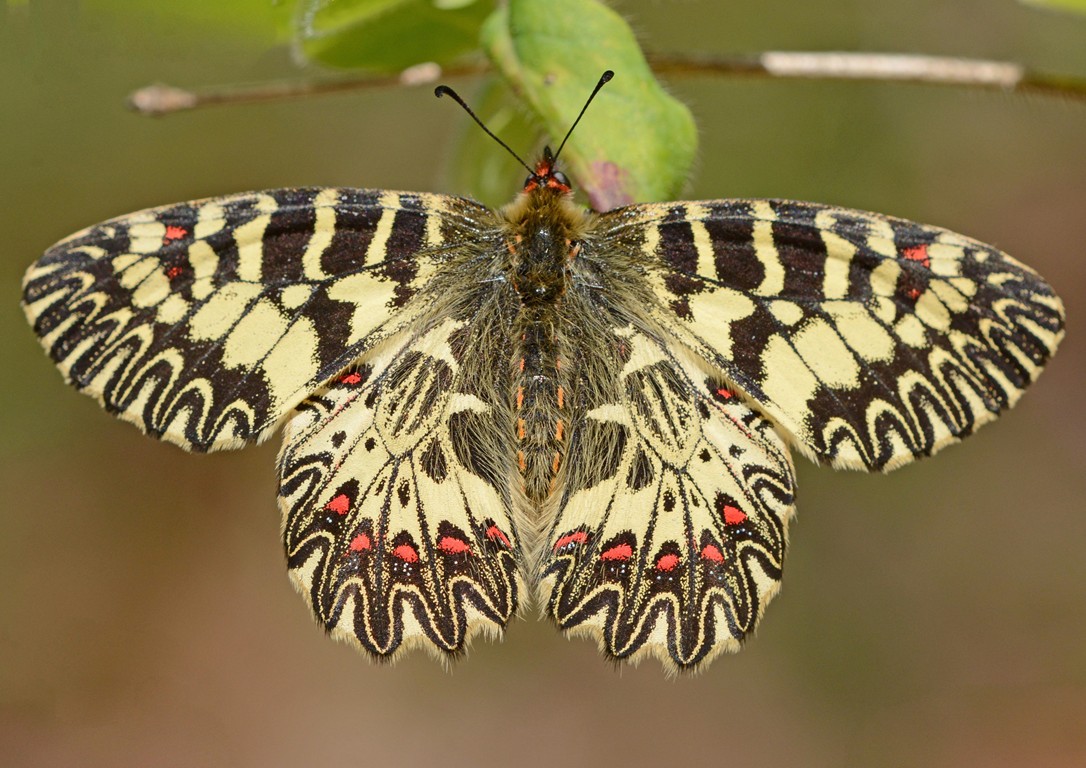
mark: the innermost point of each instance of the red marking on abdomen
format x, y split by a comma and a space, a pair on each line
360, 543
561, 397
577, 537
339, 504
617, 552
711, 553
451, 545
406, 553
918, 253
350, 379
667, 562
733, 515
559, 430
494, 533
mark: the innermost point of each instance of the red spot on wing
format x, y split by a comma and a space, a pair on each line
667, 562
712, 553
360, 543
919, 254
724, 393
617, 552
339, 504
406, 553
494, 533
174, 233
350, 379
451, 545
913, 293
733, 515
174, 272
577, 537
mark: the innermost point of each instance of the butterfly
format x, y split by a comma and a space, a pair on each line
487, 408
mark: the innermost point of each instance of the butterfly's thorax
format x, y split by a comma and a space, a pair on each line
544, 229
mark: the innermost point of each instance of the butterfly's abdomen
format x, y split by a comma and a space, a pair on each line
539, 401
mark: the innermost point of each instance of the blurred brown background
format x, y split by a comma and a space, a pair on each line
935, 616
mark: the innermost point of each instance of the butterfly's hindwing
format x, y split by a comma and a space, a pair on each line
870, 340
670, 535
204, 323
396, 501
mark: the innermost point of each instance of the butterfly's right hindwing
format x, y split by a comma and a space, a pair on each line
204, 323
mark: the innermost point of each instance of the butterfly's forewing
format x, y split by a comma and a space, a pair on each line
671, 529
868, 340
204, 323
396, 497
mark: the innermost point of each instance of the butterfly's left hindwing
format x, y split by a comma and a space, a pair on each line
204, 323
395, 493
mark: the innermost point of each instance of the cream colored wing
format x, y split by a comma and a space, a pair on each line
672, 521
204, 323
395, 496
869, 340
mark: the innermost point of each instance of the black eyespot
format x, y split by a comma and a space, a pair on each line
560, 178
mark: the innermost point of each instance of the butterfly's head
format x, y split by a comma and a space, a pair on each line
546, 177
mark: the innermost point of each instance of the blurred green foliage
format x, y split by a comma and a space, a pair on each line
1078, 6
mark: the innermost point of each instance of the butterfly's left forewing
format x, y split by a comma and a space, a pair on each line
204, 323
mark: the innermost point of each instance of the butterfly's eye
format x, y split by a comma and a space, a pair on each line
529, 181
560, 178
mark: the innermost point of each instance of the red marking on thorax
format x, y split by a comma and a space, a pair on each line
918, 253
667, 563
339, 504
577, 537
174, 233
494, 533
733, 515
406, 553
712, 553
617, 552
360, 543
451, 545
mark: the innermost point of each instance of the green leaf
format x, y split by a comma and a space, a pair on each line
636, 143
389, 35
1075, 6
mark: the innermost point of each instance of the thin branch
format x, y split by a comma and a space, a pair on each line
162, 99
874, 67
878, 67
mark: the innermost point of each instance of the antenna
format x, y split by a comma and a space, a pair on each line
444, 90
605, 78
